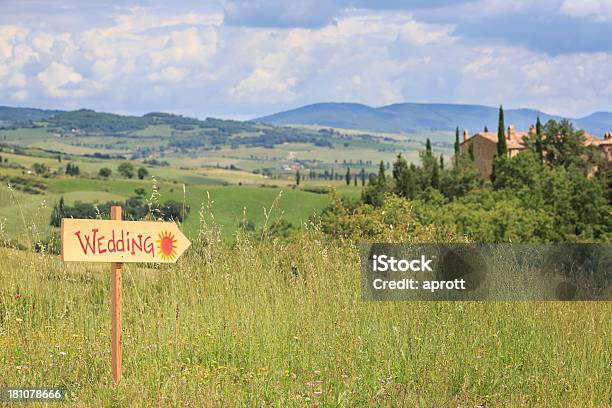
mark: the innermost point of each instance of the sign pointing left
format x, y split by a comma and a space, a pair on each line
121, 241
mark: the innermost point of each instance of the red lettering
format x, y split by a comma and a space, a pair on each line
111, 243
137, 245
122, 243
100, 250
90, 245
148, 246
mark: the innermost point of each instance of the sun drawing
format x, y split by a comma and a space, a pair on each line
166, 246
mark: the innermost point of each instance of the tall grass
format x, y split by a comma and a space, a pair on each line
262, 321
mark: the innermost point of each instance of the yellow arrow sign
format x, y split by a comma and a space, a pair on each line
121, 241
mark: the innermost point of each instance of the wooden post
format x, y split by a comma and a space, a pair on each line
116, 331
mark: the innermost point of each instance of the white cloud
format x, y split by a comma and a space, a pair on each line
10, 35
56, 76
598, 10
103, 69
168, 74
186, 46
140, 59
43, 42
420, 34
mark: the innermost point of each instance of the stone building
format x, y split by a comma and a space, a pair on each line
485, 146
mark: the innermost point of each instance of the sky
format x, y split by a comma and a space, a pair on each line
242, 59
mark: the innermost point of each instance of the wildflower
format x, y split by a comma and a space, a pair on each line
62, 353
18, 296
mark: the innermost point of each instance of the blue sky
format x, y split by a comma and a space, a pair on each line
243, 59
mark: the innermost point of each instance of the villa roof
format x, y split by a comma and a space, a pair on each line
514, 142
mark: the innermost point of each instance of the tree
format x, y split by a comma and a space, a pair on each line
517, 173
428, 147
363, 177
502, 147
405, 184
72, 169
297, 177
174, 211
105, 172
381, 173
142, 173
442, 162
461, 179
348, 176
564, 146
538, 141
374, 193
435, 176
486, 129
40, 168
471, 151
126, 169
457, 141
58, 213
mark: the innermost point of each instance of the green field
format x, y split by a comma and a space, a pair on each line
283, 324
347, 147
235, 194
230, 203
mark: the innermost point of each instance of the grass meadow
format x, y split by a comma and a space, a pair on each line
244, 321
282, 323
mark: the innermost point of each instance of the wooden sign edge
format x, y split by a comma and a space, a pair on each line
172, 223
61, 240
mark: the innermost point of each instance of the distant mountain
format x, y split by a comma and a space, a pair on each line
418, 116
9, 114
596, 123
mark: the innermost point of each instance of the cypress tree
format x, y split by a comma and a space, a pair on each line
428, 147
486, 129
502, 147
435, 176
58, 213
363, 177
538, 141
297, 177
355, 179
348, 176
457, 141
441, 162
471, 151
381, 173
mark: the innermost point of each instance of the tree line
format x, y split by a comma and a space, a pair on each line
556, 190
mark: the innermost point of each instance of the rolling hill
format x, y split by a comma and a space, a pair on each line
408, 117
9, 114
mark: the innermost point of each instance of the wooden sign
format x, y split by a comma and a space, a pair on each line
117, 241
121, 241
